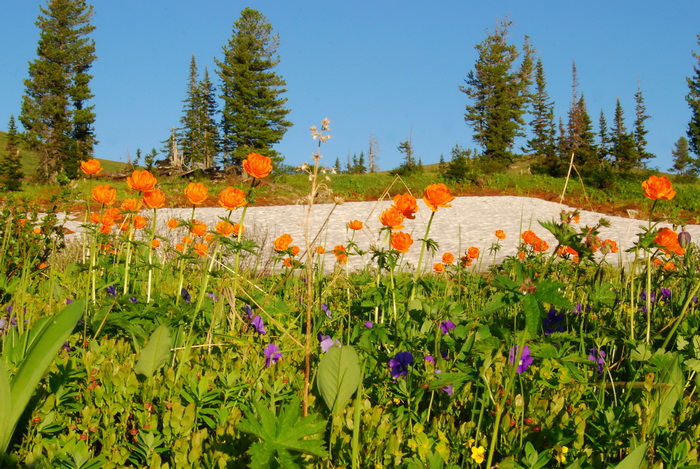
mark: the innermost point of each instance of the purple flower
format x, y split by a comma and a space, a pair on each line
66, 347
68, 301
258, 324
446, 326
248, 311
133, 299
597, 357
553, 322
429, 359
327, 342
327, 310
643, 296
212, 296
399, 364
112, 290
449, 389
186, 295
665, 295
272, 355
368, 324
525, 359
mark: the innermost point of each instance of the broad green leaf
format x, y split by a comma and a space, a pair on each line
671, 390
634, 459
533, 314
338, 376
39, 357
5, 407
155, 353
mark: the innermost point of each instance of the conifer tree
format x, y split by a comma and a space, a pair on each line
337, 167
640, 130
693, 100
624, 148
499, 93
542, 143
683, 163
253, 115
55, 114
10, 165
604, 137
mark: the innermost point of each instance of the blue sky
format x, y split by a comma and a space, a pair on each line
390, 69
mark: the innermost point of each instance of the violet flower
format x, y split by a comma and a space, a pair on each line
133, 299
446, 326
186, 295
272, 355
524, 360
597, 357
258, 324
553, 322
327, 310
112, 290
327, 342
368, 324
399, 364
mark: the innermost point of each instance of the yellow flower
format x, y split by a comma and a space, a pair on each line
478, 454
561, 454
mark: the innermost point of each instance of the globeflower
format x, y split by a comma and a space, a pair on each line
232, 198
437, 195
448, 258
196, 193
656, 188
91, 167
401, 241
355, 225
257, 166
282, 243
668, 240
104, 195
500, 234
439, 268
142, 181
406, 204
392, 218
224, 228
131, 205
154, 198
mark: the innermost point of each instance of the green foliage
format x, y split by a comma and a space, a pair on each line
55, 114
283, 436
461, 168
338, 376
693, 100
11, 165
155, 353
253, 115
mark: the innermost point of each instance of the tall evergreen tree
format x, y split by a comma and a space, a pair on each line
693, 99
55, 114
683, 163
253, 116
624, 148
499, 93
580, 139
640, 130
10, 165
603, 137
542, 143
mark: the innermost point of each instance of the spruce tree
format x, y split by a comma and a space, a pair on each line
693, 100
253, 115
10, 165
624, 148
499, 93
604, 137
542, 144
640, 130
683, 163
55, 114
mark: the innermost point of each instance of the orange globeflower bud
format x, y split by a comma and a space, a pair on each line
437, 195
258, 166
139, 222
232, 198
198, 228
658, 188
104, 195
355, 225
392, 218
657, 262
448, 258
196, 193
439, 268
401, 241
500, 234
295, 250
131, 205
90, 167
142, 181
406, 204
154, 199
201, 249
282, 243
155, 243
224, 228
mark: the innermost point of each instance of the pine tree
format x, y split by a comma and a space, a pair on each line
693, 99
253, 116
587, 151
640, 130
361, 168
499, 94
683, 163
624, 148
337, 167
55, 114
604, 137
10, 165
211, 141
542, 143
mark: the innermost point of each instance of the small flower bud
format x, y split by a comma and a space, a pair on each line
684, 239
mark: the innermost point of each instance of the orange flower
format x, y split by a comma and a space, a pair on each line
282, 243
287, 262
339, 249
669, 266
43, 265
131, 205
437, 195
196, 193
173, 223
238, 229
295, 250
439, 268
186, 240
657, 262
95, 217
124, 226
155, 243
232, 198
104, 195
154, 199
91, 167
473, 252
142, 181
658, 188
258, 166
406, 204
500, 234
567, 251
540, 245
201, 249
668, 240
448, 258
355, 225
139, 222
320, 250
180, 247
198, 228
609, 246
392, 217
106, 229
342, 259
209, 238
224, 228
113, 212
401, 241
529, 237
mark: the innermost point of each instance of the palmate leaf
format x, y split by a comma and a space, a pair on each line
338, 377
281, 435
